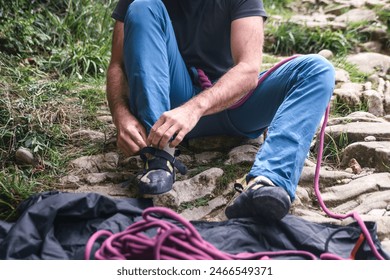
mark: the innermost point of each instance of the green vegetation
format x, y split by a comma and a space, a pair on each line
15, 186
383, 15
340, 109
203, 201
66, 37
355, 75
53, 56
231, 173
334, 148
290, 38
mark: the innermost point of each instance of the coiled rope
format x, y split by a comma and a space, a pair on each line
173, 242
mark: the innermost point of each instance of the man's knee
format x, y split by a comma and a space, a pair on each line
320, 68
320, 64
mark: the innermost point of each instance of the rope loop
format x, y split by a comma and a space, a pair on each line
154, 238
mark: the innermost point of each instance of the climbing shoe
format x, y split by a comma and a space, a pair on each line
158, 174
261, 200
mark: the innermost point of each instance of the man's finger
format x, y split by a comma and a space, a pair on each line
128, 148
177, 139
139, 140
168, 136
142, 133
156, 134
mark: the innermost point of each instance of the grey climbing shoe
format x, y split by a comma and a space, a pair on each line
261, 201
158, 174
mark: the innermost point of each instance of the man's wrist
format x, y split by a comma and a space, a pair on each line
199, 104
120, 114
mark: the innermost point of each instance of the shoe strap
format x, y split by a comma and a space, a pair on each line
164, 155
240, 188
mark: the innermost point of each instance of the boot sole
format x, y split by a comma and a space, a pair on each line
271, 203
267, 203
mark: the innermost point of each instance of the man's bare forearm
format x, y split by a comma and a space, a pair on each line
247, 42
131, 136
230, 88
117, 92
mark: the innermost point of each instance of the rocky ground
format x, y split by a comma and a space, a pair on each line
357, 178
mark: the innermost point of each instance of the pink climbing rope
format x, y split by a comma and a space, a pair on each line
170, 242
203, 79
353, 215
173, 242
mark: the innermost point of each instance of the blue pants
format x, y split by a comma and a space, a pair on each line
290, 101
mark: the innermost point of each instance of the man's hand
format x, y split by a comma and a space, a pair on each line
131, 136
173, 124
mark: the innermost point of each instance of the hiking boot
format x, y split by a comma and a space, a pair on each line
262, 200
158, 174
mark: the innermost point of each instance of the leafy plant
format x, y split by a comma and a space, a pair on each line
289, 38
334, 148
65, 35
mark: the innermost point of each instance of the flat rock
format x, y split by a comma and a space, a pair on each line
358, 116
95, 164
191, 189
356, 15
336, 195
207, 157
375, 154
240, 154
88, 135
358, 131
327, 177
111, 190
365, 203
370, 62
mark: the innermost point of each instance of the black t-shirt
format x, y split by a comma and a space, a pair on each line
202, 29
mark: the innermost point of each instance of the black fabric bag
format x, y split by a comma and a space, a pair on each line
57, 225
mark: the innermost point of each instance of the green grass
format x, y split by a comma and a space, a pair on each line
270, 59
53, 58
355, 75
383, 15
203, 201
290, 38
340, 109
334, 148
231, 172
39, 117
15, 186
66, 37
